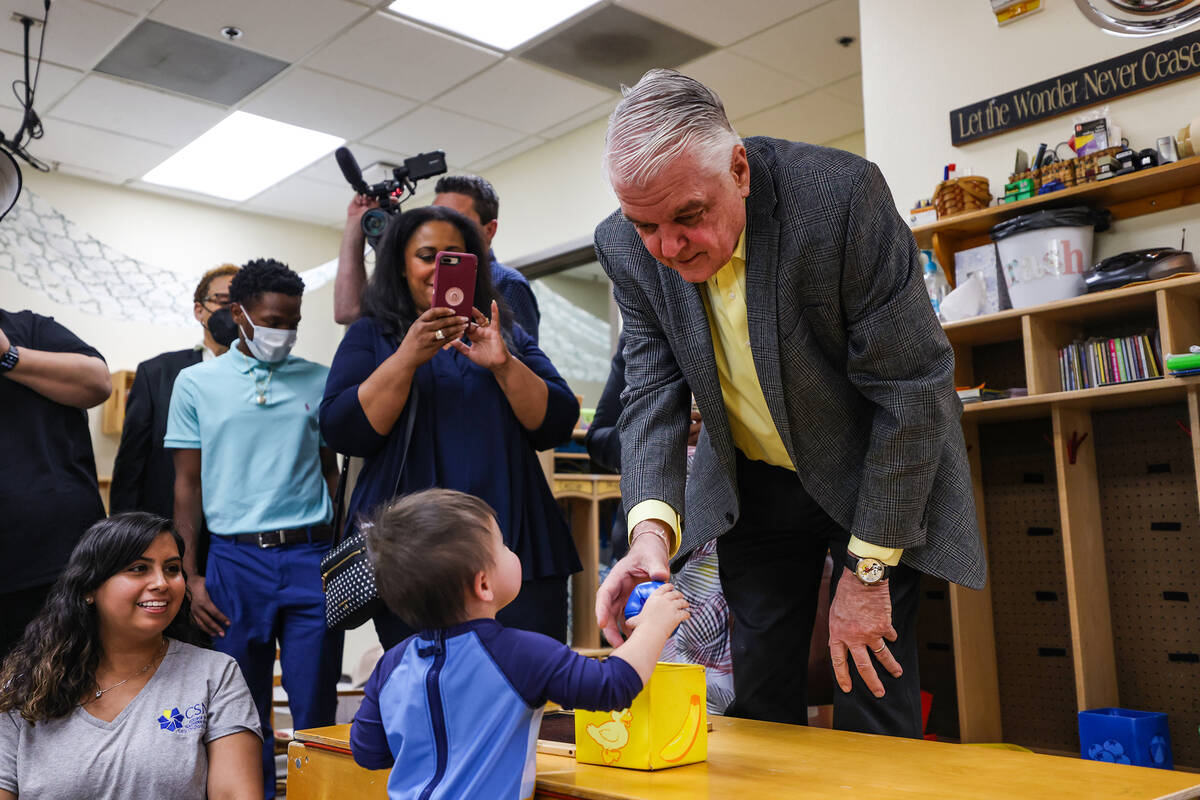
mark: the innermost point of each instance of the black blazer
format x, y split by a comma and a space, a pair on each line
144, 473
855, 369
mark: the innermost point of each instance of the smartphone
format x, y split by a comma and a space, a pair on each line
454, 282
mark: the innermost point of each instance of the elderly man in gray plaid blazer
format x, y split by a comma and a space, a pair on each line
776, 282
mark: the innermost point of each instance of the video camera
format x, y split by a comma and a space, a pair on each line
390, 194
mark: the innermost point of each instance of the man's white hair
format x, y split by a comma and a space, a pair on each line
665, 115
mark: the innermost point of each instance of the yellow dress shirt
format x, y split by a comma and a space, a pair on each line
750, 422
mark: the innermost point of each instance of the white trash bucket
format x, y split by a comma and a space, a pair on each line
1043, 255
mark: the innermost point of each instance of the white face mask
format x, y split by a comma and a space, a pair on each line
271, 345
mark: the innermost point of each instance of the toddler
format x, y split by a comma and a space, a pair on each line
455, 709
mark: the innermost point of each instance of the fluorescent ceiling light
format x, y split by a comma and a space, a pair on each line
241, 156
499, 24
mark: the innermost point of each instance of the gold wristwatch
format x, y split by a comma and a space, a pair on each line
869, 571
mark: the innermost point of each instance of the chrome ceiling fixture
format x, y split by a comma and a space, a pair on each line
1140, 17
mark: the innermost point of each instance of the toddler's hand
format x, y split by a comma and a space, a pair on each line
666, 607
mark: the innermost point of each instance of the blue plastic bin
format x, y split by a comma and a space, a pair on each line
1122, 736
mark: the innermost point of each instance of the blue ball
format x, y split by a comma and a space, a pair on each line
638, 597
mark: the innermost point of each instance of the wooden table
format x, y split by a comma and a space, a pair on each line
583, 494
762, 759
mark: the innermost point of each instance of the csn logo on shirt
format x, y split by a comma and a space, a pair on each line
191, 718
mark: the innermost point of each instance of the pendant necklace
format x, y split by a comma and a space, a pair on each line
260, 387
143, 670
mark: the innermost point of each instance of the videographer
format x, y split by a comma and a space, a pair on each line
471, 196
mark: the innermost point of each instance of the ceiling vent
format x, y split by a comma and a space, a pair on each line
614, 46
187, 63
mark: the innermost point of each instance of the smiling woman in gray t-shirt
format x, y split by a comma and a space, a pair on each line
131, 711
155, 748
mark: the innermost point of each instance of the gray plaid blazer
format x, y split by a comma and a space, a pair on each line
856, 370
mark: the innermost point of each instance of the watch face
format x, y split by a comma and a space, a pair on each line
870, 570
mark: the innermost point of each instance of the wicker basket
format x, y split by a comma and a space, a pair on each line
1058, 171
961, 194
1085, 166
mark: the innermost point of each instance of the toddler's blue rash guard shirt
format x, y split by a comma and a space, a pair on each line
456, 711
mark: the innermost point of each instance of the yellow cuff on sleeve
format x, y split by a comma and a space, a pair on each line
657, 509
888, 555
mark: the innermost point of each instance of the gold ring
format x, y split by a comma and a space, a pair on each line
880, 650
439, 335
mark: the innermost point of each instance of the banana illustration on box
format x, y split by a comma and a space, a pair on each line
612, 735
685, 737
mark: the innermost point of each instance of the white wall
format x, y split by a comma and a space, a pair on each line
923, 58
556, 192
180, 235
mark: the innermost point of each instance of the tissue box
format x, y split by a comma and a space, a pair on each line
667, 725
1122, 736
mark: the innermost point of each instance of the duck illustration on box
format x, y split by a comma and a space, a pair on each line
665, 726
612, 735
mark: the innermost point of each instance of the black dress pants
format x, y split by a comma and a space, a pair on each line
770, 566
17, 609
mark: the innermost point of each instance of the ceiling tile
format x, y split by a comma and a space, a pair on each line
79, 34
327, 171
287, 29
324, 103
745, 86
815, 117
138, 7
465, 140
390, 54
300, 198
145, 113
722, 23
806, 47
501, 156
600, 111
110, 153
90, 174
522, 96
848, 89
52, 83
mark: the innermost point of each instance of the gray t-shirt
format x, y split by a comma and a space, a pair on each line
155, 748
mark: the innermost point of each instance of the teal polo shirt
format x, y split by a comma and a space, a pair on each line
260, 464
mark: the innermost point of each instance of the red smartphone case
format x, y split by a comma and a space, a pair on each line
454, 282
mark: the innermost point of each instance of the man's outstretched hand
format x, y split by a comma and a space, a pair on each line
646, 561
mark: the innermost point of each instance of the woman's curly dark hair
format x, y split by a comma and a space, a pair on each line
54, 664
387, 297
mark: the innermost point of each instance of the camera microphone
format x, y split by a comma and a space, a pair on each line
350, 169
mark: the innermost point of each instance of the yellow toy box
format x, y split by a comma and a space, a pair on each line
667, 725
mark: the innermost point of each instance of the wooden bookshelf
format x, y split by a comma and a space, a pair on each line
1126, 196
1090, 497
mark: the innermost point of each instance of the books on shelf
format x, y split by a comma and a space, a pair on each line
980, 393
1085, 364
1184, 364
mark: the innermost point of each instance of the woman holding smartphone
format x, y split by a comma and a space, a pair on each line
486, 399
104, 697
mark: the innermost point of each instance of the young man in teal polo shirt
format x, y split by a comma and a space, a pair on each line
248, 453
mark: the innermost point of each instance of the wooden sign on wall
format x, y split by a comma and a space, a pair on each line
1124, 74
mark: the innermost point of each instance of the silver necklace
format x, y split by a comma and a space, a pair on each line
161, 652
260, 388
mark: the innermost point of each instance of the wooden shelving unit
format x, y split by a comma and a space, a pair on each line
1088, 501
1126, 196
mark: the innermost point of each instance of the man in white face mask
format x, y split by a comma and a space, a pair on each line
249, 455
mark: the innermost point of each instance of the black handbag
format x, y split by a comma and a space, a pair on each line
347, 577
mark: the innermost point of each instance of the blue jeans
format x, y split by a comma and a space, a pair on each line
274, 595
